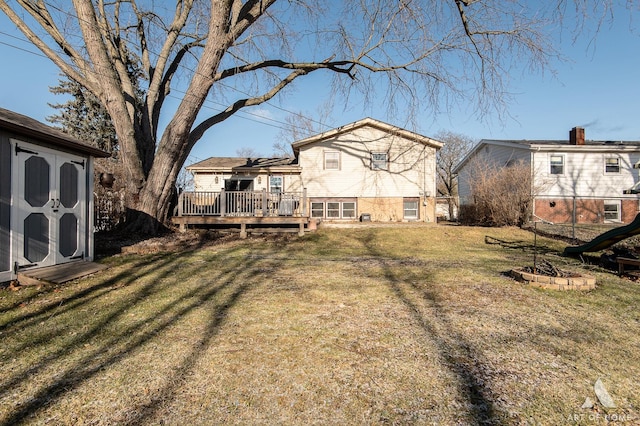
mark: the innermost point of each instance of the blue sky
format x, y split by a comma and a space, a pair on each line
597, 87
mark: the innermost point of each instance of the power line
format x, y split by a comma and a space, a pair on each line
240, 114
181, 65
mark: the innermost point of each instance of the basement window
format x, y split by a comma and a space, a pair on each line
410, 208
333, 209
612, 210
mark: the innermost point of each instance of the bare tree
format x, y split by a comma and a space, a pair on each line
300, 126
455, 147
502, 195
248, 152
242, 53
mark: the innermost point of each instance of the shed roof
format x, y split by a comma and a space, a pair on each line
27, 126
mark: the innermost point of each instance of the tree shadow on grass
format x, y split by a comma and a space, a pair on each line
456, 353
525, 246
91, 350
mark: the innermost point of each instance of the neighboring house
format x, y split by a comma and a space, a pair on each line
46, 195
443, 209
574, 180
366, 169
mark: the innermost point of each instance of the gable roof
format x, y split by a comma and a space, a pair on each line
367, 122
27, 126
548, 145
229, 164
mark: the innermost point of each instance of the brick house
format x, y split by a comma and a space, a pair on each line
575, 180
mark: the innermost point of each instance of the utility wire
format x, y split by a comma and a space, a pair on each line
284, 126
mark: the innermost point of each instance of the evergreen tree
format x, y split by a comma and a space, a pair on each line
83, 116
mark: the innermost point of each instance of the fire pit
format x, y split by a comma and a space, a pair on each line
549, 277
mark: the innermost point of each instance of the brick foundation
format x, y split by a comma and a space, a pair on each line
560, 210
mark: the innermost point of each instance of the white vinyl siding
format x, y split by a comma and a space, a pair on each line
585, 176
411, 166
588, 172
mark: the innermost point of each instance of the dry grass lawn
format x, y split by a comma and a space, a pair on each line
412, 324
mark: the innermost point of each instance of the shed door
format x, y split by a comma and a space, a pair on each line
50, 206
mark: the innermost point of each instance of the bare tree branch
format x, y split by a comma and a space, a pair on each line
199, 130
409, 54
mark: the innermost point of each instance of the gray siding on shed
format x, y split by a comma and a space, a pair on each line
5, 203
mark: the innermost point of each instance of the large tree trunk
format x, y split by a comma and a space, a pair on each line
150, 211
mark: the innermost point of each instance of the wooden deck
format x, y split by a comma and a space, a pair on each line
244, 211
58, 274
246, 225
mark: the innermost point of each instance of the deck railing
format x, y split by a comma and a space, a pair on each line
242, 203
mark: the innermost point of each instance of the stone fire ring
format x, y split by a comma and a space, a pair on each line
581, 282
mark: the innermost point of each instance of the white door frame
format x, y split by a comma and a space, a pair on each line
53, 209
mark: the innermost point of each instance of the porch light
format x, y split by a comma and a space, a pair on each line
216, 179
259, 180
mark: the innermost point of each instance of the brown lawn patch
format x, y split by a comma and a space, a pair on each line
367, 325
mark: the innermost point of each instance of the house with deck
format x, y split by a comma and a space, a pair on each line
366, 170
46, 196
574, 181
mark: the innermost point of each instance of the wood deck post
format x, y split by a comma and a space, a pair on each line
223, 203
264, 202
181, 204
243, 230
304, 202
301, 231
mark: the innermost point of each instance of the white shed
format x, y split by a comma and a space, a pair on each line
46, 196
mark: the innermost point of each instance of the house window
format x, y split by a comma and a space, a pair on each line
410, 208
379, 161
275, 184
557, 164
612, 210
332, 160
349, 210
317, 209
333, 209
612, 165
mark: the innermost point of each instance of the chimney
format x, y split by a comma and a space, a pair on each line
576, 136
